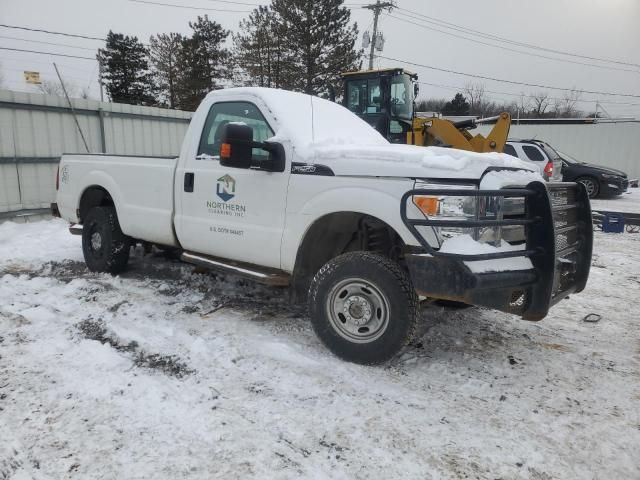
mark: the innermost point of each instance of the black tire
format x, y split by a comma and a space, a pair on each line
591, 185
105, 247
383, 296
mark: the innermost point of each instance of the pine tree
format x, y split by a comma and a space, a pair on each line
259, 53
202, 62
457, 106
319, 42
164, 55
125, 70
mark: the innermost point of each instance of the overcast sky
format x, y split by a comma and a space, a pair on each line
606, 29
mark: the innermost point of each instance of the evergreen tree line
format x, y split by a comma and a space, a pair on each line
300, 45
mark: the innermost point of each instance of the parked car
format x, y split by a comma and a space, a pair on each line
598, 180
292, 190
540, 153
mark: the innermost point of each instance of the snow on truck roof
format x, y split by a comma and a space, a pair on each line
319, 127
308, 120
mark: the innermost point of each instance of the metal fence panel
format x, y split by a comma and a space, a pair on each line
35, 130
611, 144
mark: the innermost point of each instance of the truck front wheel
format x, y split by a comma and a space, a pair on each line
105, 247
363, 307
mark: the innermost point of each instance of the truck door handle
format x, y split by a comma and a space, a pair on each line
189, 178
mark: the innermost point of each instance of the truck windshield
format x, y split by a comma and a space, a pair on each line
401, 97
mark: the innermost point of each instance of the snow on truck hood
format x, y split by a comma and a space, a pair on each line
327, 133
420, 162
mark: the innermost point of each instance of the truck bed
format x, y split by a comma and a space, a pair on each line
141, 188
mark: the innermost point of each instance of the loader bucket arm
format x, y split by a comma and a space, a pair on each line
441, 132
497, 137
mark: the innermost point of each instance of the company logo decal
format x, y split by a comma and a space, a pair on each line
226, 187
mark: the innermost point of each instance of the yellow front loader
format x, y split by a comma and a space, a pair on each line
385, 99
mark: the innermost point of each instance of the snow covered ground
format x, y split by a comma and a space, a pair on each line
628, 202
163, 373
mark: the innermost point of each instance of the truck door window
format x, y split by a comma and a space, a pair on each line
533, 153
225, 112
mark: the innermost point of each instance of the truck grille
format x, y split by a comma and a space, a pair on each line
569, 237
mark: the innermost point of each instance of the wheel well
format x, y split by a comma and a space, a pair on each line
338, 233
94, 196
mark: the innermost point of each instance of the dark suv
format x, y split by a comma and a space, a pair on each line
598, 180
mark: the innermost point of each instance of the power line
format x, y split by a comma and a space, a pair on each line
189, 7
47, 53
605, 67
238, 3
47, 43
586, 100
513, 82
514, 42
52, 32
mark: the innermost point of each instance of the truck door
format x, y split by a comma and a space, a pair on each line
231, 213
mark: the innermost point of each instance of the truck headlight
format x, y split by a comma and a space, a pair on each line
465, 207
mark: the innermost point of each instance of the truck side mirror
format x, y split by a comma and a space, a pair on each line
237, 142
237, 147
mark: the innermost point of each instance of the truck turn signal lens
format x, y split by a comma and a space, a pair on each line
225, 150
427, 205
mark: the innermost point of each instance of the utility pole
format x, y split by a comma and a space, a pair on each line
377, 8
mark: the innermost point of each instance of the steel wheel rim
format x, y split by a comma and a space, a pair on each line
95, 241
589, 185
358, 311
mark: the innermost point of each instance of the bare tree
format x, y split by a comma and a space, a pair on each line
51, 87
541, 102
569, 101
474, 92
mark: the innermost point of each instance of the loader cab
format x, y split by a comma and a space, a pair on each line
383, 98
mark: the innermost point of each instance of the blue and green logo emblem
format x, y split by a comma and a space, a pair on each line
226, 187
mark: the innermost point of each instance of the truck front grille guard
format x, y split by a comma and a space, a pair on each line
558, 231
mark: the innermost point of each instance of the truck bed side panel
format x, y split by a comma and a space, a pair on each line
141, 188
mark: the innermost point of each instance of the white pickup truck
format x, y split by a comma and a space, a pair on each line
292, 190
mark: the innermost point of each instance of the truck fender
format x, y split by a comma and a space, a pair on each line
375, 203
96, 178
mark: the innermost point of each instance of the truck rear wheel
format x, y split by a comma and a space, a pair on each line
363, 307
105, 247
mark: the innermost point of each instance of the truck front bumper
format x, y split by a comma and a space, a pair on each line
559, 241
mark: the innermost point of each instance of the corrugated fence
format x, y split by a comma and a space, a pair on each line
611, 144
35, 130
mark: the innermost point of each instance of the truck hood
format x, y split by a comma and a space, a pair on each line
411, 161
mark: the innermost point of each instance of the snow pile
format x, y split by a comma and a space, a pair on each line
37, 243
466, 245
